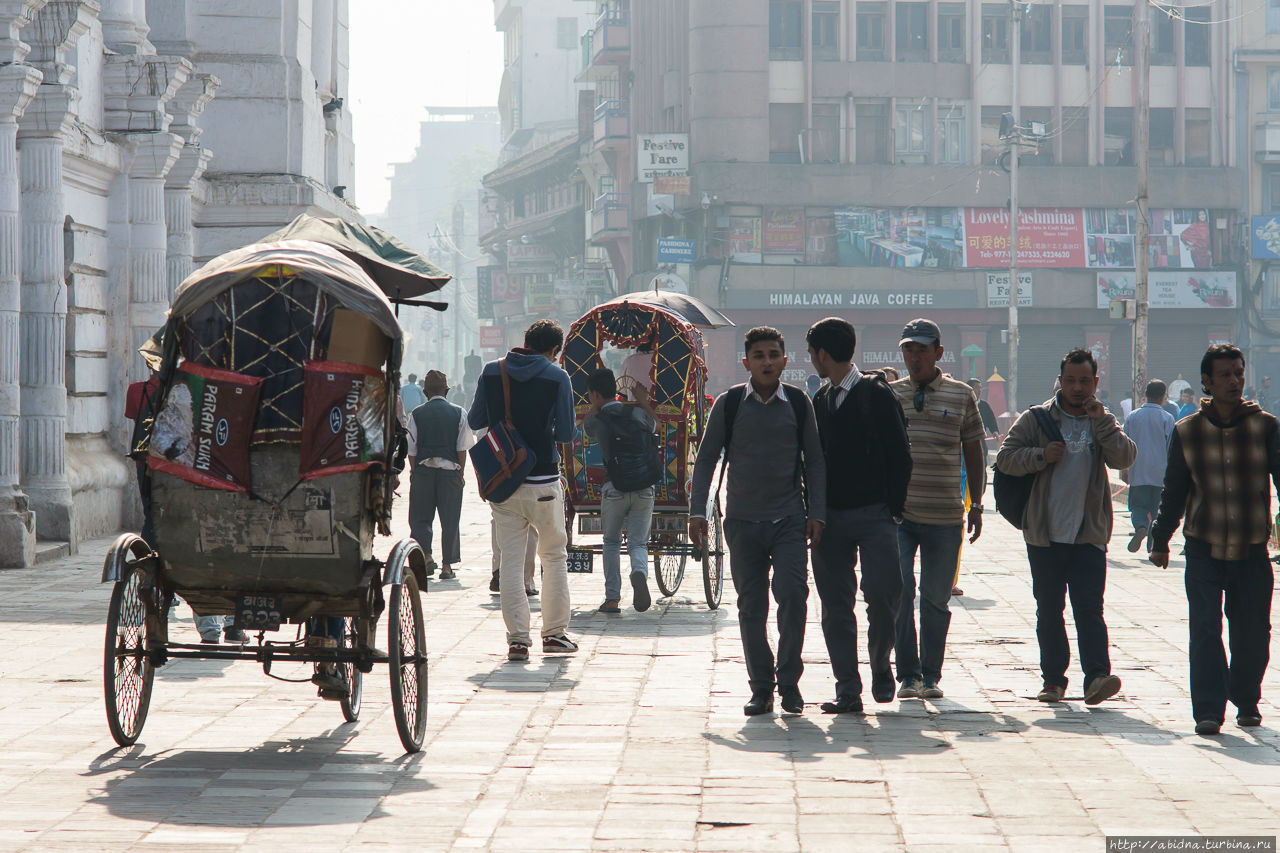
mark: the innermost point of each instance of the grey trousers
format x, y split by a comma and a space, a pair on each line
435, 491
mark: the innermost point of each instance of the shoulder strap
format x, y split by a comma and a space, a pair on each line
732, 400
506, 393
1047, 426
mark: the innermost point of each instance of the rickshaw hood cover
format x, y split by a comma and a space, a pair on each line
329, 269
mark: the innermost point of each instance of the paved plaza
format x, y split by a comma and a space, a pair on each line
638, 742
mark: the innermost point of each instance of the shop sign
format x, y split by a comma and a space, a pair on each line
673, 251
783, 230
484, 291
491, 337
1047, 237
1171, 289
530, 258
1265, 231
661, 155
540, 297
998, 289
508, 293
672, 185
837, 299
669, 282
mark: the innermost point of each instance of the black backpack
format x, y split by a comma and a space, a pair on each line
1013, 492
632, 456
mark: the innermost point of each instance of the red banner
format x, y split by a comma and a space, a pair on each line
1047, 237
784, 230
333, 440
202, 433
491, 337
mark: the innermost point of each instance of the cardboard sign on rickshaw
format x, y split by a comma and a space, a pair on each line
202, 433
343, 413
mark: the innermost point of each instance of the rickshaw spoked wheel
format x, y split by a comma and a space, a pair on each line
350, 673
713, 559
128, 672
407, 660
668, 568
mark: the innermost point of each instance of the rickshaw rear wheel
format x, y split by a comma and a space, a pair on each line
128, 672
407, 660
713, 559
668, 568
351, 674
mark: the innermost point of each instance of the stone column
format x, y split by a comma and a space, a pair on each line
186, 107
154, 155
18, 85
124, 26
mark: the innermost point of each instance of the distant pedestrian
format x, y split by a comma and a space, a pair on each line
411, 394
890, 373
438, 442
628, 447
864, 442
990, 425
542, 411
1067, 523
1186, 404
812, 383
1150, 428
771, 447
1224, 461
1166, 404
946, 434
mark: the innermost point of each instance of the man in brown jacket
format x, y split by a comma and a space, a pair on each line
1067, 523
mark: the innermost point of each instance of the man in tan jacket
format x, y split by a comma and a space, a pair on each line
1067, 523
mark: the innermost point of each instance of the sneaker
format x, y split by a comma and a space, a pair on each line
910, 688
447, 573
1102, 687
234, 635
1208, 727
640, 591
1051, 693
1135, 541
210, 640
931, 690
518, 651
558, 645
493, 582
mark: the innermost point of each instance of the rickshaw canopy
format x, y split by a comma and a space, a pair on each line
692, 310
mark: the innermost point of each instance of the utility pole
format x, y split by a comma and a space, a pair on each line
1141, 137
1015, 47
459, 223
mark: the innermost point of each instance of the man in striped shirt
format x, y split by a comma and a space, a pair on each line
945, 428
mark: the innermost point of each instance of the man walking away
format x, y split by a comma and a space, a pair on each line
1067, 522
944, 428
630, 452
438, 444
1219, 461
771, 447
411, 394
990, 425
542, 411
1150, 428
864, 441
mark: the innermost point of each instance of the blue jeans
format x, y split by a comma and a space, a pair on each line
1144, 503
632, 511
939, 546
1059, 570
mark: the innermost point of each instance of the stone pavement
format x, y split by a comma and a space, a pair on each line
636, 743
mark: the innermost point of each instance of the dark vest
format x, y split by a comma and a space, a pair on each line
437, 422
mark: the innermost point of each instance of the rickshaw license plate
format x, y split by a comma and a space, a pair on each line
580, 561
258, 612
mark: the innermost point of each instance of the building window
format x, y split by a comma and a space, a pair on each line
951, 124
1037, 35
1197, 148
1273, 16
1117, 35
1162, 39
871, 132
826, 29
995, 32
786, 39
1273, 90
567, 33
1271, 190
824, 136
911, 32
1117, 136
909, 135
992, 145
951, 32
1160, 136
785, 124
871, 17
1075, 35
1271, 298
1075, 136
1195, 33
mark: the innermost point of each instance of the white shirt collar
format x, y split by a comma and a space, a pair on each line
850, 379
437, 397
780, 394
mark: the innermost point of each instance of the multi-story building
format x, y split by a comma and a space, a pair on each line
843, 160
136, 140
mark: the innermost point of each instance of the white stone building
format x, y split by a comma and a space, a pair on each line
138, 138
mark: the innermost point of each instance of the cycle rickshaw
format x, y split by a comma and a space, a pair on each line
667, 325
270, 442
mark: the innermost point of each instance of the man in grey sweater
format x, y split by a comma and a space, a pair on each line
776, 500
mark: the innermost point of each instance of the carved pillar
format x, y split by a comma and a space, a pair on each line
154, 155
186, 108
43, 324
124, 26
18, 84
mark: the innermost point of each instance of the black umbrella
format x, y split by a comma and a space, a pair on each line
693, 311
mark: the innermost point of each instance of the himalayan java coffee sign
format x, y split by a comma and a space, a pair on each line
202, 433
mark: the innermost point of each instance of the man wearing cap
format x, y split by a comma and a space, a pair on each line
438, 442
945, 428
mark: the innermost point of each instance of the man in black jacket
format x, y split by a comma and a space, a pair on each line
864, 440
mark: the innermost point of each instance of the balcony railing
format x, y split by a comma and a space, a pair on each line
612, 121
610, 215
612, 39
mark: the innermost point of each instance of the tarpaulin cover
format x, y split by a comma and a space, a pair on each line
344, 410
202, 432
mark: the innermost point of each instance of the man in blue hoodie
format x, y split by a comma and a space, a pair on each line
542, 412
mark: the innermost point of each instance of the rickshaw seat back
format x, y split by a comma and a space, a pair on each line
289, 536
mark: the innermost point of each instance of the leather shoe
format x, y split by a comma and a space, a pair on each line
883, 687
1249, 718
792, 701
761, 703
844, 705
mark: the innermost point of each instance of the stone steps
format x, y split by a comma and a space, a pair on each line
48, 550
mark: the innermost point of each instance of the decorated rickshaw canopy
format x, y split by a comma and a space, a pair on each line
628, 322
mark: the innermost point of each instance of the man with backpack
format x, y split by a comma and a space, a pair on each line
1068, 443
633, 465
864, 441
528, 394
769, 437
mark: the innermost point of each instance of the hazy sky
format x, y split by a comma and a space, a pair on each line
407, 55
